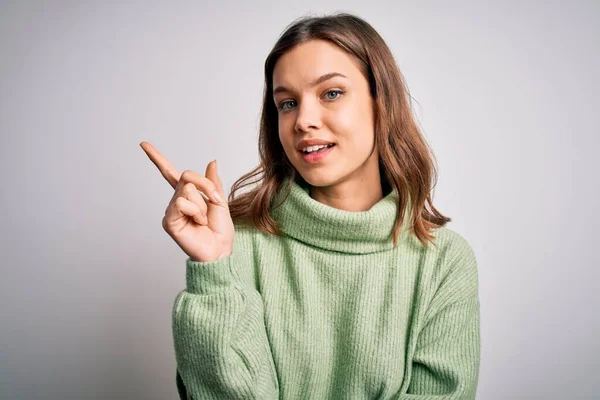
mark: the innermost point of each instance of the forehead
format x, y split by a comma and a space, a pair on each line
307, 61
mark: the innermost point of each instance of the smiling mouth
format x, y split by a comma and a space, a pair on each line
318, 151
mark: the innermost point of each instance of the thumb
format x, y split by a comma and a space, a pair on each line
212, 174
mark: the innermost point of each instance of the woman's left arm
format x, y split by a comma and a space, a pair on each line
445, 362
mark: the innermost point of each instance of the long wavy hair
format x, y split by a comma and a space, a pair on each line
405, 160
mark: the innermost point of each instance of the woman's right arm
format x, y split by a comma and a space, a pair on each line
220, 340
221, 345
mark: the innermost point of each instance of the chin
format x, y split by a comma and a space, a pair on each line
317, 179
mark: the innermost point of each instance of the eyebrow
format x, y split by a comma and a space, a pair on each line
314, 83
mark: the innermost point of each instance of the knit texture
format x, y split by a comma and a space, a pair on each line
332, 310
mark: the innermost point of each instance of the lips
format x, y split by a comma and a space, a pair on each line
316, 156
330, 145
312, 142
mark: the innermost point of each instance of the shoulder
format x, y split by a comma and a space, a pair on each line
242, 256
250, 247
249, 237
456, 263
243, 239
453, 244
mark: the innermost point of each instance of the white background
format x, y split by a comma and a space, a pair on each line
506, 93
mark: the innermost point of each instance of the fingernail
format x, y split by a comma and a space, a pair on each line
217, 197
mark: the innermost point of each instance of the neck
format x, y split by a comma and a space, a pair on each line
358, 192
349, 196
332, 229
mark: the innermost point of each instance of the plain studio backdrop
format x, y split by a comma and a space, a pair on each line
506, 94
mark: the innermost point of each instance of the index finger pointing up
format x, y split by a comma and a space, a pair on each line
167, 169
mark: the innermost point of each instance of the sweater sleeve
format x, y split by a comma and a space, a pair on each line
445, 365
220, 341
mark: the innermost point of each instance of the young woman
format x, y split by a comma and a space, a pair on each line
334, 277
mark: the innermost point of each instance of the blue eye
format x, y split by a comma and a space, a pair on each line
283, 103
338, 93
334, 91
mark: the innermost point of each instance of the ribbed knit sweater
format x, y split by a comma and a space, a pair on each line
332, 310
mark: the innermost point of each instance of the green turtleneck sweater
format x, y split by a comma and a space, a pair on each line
332, 310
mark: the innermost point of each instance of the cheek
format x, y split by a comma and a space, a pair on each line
286, 134
355, 131
356, 113
286, 141
353, 124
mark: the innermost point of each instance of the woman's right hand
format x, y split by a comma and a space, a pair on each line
204, 231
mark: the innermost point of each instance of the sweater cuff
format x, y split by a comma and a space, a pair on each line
209, 277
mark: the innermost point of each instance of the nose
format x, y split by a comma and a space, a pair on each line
308, 116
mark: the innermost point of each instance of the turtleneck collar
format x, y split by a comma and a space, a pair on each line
329, 228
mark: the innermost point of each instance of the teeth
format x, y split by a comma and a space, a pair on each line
311, 149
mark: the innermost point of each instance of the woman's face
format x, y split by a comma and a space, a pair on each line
335, 109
